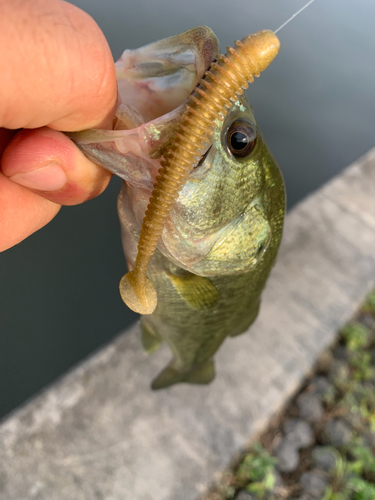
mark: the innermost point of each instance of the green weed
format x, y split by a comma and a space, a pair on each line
369, 305
257, 470
355, 336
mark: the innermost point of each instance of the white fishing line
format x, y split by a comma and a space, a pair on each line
294, 15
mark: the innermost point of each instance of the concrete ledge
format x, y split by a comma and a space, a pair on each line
100, 433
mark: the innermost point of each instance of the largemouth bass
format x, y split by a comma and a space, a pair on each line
222, 235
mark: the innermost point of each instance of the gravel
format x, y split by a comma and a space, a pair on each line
278, 481
298, 433
320, 385
369, 439
340, 352
310, 407
337, 432
328, 410
367, 320
313, 484
324, 458
339, 370
244, 495
287, 455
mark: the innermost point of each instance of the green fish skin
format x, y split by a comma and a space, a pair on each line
222, 236
250, 194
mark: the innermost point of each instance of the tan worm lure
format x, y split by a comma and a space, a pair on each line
213, 96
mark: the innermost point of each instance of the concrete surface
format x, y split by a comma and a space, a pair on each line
100, 433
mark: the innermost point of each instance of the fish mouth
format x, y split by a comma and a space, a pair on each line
203, 157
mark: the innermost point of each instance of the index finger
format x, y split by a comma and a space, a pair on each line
56, 67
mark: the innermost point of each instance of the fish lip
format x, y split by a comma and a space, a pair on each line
203, 157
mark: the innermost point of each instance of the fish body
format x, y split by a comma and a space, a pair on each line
222, 236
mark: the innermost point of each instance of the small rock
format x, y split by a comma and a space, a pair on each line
324, 458
368, 439
313, 484
278, 480
287, 455
340, 352
298, 433
354, 419
310, 407
367, 320
244, 495
338, 371
320, 385
337, 432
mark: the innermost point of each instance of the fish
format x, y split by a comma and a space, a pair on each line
221, 236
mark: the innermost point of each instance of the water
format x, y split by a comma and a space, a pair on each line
315, 106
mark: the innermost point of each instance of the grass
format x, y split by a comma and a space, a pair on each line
255, 473
352, 397
354, 475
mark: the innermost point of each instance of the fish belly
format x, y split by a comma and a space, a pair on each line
195, 331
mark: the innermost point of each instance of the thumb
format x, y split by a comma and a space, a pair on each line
48, 163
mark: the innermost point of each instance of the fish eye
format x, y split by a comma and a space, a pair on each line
241, 138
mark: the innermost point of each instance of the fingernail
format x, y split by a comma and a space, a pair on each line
49, 178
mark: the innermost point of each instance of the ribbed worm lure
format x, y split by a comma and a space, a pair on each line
213, 97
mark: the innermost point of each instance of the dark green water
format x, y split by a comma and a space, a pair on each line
315, 104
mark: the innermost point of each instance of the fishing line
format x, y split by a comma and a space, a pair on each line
294, 15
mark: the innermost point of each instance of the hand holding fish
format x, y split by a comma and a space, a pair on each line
47, 86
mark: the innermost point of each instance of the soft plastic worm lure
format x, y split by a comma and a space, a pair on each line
214, 95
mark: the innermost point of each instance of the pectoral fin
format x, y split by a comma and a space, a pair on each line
197, 291
170, 376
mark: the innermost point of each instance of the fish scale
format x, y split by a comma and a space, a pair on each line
219, 240
194, 337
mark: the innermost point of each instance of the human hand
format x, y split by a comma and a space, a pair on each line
57, 73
